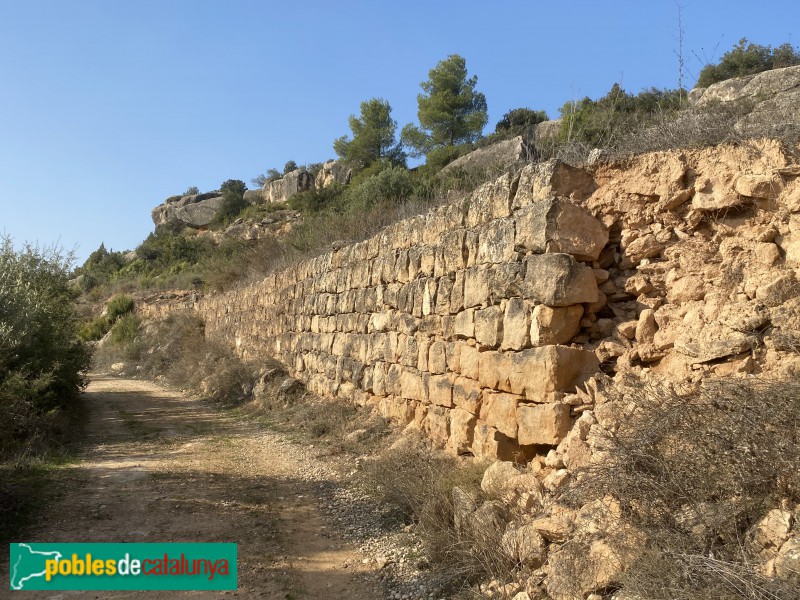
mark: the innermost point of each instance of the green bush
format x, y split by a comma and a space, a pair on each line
233, 202
94, 329
748, 59
600, 123
519, 121
42, 360
313, 201
118, 306
125, 328
100, 268
391, 186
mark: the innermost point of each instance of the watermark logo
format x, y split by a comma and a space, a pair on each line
82, 566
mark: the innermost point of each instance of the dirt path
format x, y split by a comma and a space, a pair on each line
160, 467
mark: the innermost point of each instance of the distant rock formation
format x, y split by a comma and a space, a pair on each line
195, 210
254, 196
501, 155
774, 95
287, 186
332, 172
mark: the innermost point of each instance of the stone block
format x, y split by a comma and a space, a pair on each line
457, 293
469, 361
413, 385
453, 251
496, 242
462, 431
555, 325
558, 280
489, 326
499, 410
540, 373
494, 370
444, 291
516, 324
379, 379
492, 200
488, 442
476, 287
467, 395
557, 225
437, 357
552, 178
392, 381
464, 324
440, 390
436, 425
542, 424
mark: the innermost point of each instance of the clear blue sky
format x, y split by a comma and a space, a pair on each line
108, 107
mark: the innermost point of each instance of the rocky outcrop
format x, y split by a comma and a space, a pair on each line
332, 172
196, 210
287, 186
254, 196
771, 99
276, 224
500, 156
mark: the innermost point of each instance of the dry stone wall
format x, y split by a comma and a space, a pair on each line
457, 321
486, 322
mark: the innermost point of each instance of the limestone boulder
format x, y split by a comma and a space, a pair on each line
578, 569
773, 96
558, 225
497, 475
254, 196
464, 504
788, 560
772, 531
714, 342
501, 155
332, 172
488, 522
196, 210
287, 186
525, 545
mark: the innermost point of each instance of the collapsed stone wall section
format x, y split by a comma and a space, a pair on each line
457, 321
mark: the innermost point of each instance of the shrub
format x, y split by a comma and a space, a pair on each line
289, 167
748, 59
42, 360
391, 186
177, 351
94, 329
118, 306
315, 200
519, 121
600, 123
419, 484
694, 471
100, 267
125, 328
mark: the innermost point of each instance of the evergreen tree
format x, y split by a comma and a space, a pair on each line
450, 112
373, 137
